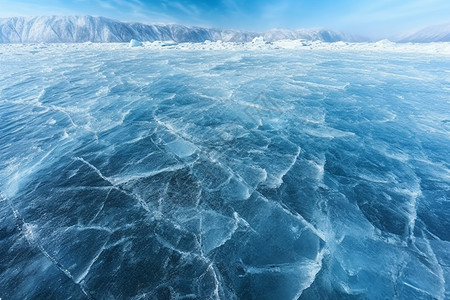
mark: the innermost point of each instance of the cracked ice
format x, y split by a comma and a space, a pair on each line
223, 174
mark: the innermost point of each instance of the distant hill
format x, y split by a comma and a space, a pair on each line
79, 29
436, 33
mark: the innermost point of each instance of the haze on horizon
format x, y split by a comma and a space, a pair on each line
374, 19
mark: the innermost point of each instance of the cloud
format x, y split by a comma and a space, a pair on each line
187, 9
106, 5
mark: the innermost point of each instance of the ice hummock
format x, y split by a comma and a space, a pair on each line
135, 43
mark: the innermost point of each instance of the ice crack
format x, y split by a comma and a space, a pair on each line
141, 202
27, 231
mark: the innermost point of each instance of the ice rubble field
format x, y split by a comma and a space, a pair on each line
247, 171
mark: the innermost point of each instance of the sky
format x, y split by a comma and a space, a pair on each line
370, 18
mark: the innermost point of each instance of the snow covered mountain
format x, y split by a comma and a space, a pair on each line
436, 33
79, 29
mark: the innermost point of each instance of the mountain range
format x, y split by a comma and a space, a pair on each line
436, 33
79, 29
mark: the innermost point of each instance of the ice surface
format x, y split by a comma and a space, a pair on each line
284, 170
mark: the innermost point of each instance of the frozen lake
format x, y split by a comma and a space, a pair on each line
224, 171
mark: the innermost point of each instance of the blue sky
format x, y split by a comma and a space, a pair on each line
373, 18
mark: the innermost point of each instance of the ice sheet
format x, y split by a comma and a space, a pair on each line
256, 170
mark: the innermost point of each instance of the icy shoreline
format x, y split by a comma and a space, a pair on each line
440, 48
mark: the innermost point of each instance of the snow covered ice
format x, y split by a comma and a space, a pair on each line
284, 170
